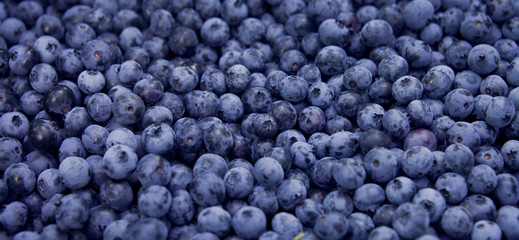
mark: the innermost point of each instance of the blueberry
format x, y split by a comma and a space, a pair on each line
291, 193
332, 225
507, 221
410, 220
14, 216
239, 182
406, 89
264, 199
148, 227
331, 60
20, 178
116, 194
256, 218
119, 161
128, 108
432, 201
485, 229
207, 189
499, 112
73, 213
75, 172
308, 212
215, 220
459, 158
452, 186
480, 207
506, 191
457, 222
201, 104
153, 169
377, 32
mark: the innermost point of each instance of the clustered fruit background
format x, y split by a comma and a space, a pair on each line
259, 119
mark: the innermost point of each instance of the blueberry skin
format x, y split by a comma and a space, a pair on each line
493, 85
290, 193
94, 139
417, 53
432, 201
483, 59
268, 172
239, 182
210, 163
20, 178
485, 229
417, 161
331, 60
96, 54
508, 151
406, 89
116, 229
491, 157
14, 216
308, 212
201, 104
182, 208
321, 173
338, 201
252, 215
487, 133
119, 161
116, 194
128, 108
158, 138
11, 151
153, 169
218, 139
293, 89
181, 177
480, 207
499, 112
334, 32
42, 77
157, 114
348, 147
75, 172
392, 68
231, 108
400, 190
380, 171
507, 221
452, 186
332, 225
474, 32
215, 220
121, 136
506, 191
463, 133
264, 199
368, 197
154, 201
459, 158
264, 125
457, 222
148, 228
303, 155
383, 232
482, 179
286, 224
73, 213
207, 189
22, 59
410, 220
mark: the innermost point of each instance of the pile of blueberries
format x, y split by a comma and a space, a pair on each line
259, 119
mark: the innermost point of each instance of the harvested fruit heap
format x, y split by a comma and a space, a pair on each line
259, 119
